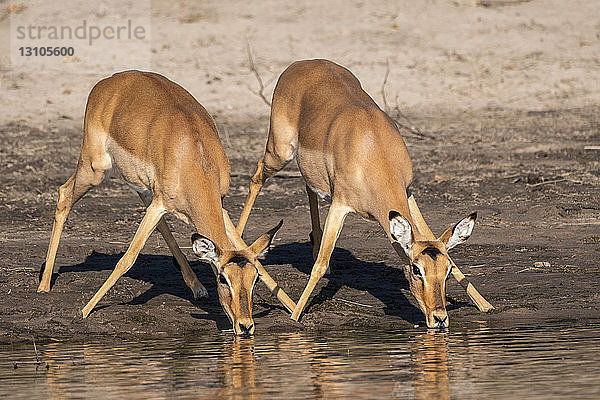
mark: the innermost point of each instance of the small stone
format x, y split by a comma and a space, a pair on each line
540, 264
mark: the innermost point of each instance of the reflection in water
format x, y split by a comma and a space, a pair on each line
484, 363
429, 355
238, 370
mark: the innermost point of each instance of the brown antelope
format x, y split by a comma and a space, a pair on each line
166, 147
352, 154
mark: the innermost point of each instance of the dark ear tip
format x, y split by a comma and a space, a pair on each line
196, 236
274, 230
393, 214
473, 216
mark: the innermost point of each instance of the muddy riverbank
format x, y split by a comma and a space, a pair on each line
533, 253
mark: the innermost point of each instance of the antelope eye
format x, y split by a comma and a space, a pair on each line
416, 270
223, 280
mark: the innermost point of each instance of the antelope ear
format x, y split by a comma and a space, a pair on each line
401, 231
261, 246
205, 249
459, 233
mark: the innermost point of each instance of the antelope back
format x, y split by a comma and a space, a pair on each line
153, 129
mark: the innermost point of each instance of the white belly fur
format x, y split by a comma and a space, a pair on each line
138, 174
323, 195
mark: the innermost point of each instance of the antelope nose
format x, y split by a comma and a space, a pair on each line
441, 320
246, 329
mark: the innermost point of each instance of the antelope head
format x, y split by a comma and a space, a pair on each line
429, 265
236, 276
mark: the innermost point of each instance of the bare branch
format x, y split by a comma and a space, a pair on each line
498, 3
253, 69
386, 108
355, 303
227, 139
547, 182
412, 128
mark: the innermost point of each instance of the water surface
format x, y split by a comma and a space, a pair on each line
552, 362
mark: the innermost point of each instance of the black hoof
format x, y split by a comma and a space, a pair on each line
199, 292
42, 268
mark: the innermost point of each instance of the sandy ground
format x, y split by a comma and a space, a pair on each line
508, 94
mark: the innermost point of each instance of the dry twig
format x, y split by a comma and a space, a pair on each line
253, 69
355, 303
385, 78
499, 3
411, 127
227, 139
547, 182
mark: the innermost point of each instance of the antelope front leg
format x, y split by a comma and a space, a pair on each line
190, 278
481, 303
147, 226
237, 241
333, 226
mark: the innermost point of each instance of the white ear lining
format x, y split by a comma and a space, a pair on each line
461, 232
400, 230
205, 250
464, 227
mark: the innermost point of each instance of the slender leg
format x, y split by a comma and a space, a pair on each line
153, 215
316, 234
257, 182
63, 207
69, 193
182, 264
333, 226
481, 303
238, 243
276, 157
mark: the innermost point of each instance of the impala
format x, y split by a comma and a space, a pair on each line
351, 153
166, 147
